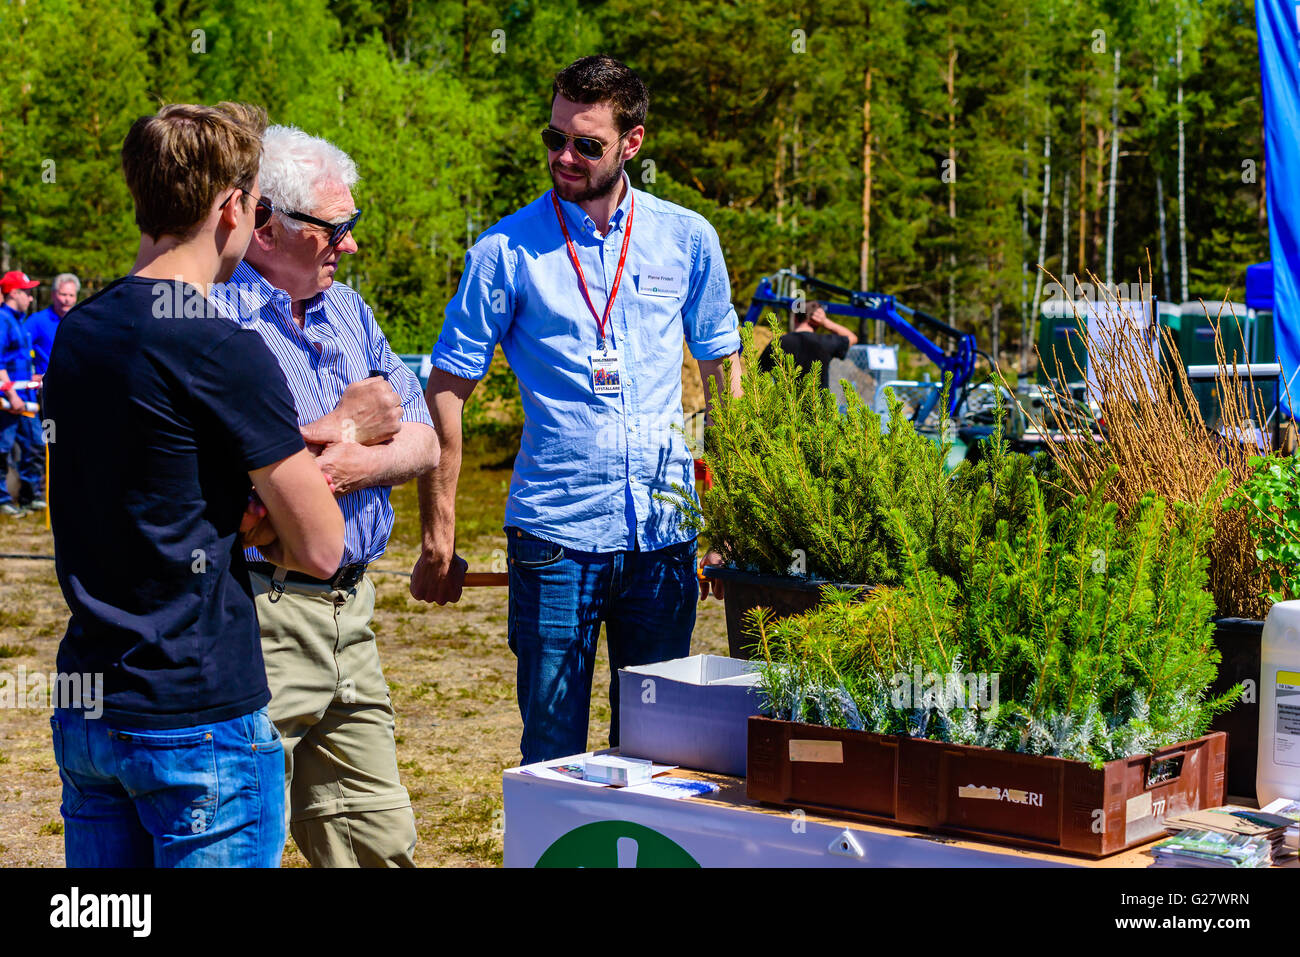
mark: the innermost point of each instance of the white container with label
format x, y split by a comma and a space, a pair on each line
1278, 774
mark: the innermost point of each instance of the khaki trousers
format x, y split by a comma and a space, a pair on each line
330, 702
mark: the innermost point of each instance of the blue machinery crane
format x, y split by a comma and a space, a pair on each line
954, 353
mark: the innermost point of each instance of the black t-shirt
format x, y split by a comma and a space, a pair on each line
807, 348
159, 416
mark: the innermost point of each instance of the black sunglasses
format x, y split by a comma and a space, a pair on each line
261, 212
336, 230
588, 147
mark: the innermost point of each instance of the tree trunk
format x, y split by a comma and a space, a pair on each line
1065, 228
1098, 189
1114, 168
1262, 217
997, 329
1182, 166
864, 260
952, 178
778, 173
1164, 241
1042, 242
1083, 175
1026, 319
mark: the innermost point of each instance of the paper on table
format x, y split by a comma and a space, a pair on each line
572, 771
674, 789
554, 773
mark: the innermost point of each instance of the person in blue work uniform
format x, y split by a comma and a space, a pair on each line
589, 291
17, 429
45, 323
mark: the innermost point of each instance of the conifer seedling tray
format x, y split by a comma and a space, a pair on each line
1025, 800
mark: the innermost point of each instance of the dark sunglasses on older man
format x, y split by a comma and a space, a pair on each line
588, 147
336, 230
261, 212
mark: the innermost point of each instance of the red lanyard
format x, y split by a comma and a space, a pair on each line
601, 321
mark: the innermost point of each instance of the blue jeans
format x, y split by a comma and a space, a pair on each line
205, 796
558, 599
24, 432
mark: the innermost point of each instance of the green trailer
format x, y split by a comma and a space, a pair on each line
1059, 337
1247, 334
1059, 342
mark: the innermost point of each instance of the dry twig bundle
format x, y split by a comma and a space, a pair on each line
1157, 438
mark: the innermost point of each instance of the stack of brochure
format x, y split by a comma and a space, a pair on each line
1200, 848
1289, 809
1233, 820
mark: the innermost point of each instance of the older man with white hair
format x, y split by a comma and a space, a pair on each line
329, 699
43, 324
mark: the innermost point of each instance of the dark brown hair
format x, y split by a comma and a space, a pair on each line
602, 79
178, 161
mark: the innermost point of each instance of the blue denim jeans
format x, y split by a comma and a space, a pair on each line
205, 796
25, 433
558, 599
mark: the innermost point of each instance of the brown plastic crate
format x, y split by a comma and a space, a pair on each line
1021, 799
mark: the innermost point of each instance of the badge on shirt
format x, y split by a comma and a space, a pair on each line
604, 373
665, 281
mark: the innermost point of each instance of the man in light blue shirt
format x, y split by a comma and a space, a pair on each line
589, 291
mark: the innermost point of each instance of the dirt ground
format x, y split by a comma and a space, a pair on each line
450, 671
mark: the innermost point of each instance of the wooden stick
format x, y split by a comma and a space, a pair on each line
486, 579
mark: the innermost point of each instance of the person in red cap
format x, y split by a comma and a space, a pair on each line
16, 366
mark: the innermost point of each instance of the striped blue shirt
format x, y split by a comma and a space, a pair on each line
592, 468
339, 344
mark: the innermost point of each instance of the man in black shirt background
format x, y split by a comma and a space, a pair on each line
184, 767
806, 346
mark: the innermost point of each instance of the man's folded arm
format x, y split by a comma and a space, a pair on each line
307, 521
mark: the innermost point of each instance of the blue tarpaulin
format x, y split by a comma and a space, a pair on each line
1259, 286
1279, 67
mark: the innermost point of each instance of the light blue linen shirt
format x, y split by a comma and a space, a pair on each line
590, 466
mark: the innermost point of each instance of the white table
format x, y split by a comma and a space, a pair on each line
575, 824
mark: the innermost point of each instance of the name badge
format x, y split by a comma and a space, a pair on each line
604, 373
665, 281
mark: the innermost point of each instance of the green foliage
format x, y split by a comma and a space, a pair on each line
495, 404
1068, 633
763, 116
421, 189
1271, 498
793, 477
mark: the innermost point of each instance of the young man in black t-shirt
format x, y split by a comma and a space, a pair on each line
803, 343
183, 768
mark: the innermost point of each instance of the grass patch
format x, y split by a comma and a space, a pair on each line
16, 617
52, 828
16, 651
485, 471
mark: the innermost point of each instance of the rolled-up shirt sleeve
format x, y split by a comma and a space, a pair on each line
404, 383
711, 324
479, 313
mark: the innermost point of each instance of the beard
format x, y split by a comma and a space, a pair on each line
592, 188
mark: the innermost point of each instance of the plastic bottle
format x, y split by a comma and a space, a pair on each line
1278, 773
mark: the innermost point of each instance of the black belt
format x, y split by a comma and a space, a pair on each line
345, 578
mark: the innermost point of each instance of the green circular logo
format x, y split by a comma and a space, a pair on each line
615, 844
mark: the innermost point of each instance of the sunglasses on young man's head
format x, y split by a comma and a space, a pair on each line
261, 212
336, 230
588, 147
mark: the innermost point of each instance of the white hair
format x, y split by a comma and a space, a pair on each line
295, 168
63, 277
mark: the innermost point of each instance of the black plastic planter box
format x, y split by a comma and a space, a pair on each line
785, 595
1238, 640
